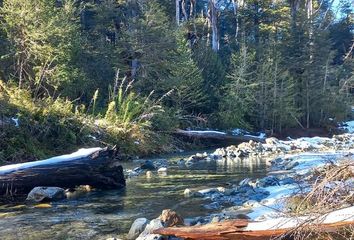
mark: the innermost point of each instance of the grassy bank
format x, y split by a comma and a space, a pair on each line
32, 129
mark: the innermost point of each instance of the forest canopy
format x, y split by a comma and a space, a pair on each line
150, 66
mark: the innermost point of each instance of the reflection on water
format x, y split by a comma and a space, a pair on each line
103, 214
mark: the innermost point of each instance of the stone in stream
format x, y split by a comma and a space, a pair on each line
162, 170
40, 194
291, 165
171, 218
268, 181
148, 231
212, 206
189, 193
148, 174
148, 165
137, 227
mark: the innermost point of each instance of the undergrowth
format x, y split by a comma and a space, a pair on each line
331, 188
32, 129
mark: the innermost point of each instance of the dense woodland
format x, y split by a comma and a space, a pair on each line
81, 72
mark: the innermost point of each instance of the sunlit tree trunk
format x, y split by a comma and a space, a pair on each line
214, 28
185, 15
192, 9
235, 7
177, 12
135, 62
309, 10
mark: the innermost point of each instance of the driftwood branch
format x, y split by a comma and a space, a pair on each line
215, 135
237, 230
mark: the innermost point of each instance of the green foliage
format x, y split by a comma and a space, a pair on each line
126, 108
279, 66
239, 91
42, 40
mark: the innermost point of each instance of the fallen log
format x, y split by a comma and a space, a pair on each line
247, 230
234, 230
95, 167
216, 135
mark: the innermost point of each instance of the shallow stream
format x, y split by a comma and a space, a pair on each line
104, 214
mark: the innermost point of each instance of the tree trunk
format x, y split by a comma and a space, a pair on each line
192, 9
240, 230
95, 167
235, 3
214, 27
177, 12
185, 16
309, 9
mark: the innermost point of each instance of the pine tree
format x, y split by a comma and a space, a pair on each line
43, 39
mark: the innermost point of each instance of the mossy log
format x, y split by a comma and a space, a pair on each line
95, 167
237, 230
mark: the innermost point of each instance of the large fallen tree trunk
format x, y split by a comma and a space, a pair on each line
95, 167
216, 135
269, 229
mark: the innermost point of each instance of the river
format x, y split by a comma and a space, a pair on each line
104, 214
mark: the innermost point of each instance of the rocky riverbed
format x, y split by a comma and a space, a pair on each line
292, 165
250, 181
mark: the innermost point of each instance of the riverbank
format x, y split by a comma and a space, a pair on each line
33, 129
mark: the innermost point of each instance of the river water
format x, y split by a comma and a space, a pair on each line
104, 214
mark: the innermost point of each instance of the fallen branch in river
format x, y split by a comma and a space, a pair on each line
245, 230
216, 135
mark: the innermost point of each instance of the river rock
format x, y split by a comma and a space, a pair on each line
161, 163
149, 174
162, 170
268, 181
272, 141
291, 165
287, 180
171, 218
189, 193
40, 194
150, 237
213, 205
137, 227
148, 165
148, 231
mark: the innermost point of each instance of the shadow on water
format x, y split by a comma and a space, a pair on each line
103, 214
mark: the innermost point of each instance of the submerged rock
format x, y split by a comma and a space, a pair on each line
137, 227
148, 165
41, 194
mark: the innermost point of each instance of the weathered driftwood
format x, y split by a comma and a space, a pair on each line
236, 230
95, 167
215, 135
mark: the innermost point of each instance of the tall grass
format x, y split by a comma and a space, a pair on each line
127, 108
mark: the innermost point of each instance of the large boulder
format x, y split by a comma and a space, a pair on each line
171, 218
41, 194
137, 227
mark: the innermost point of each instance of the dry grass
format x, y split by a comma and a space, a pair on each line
331, 189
